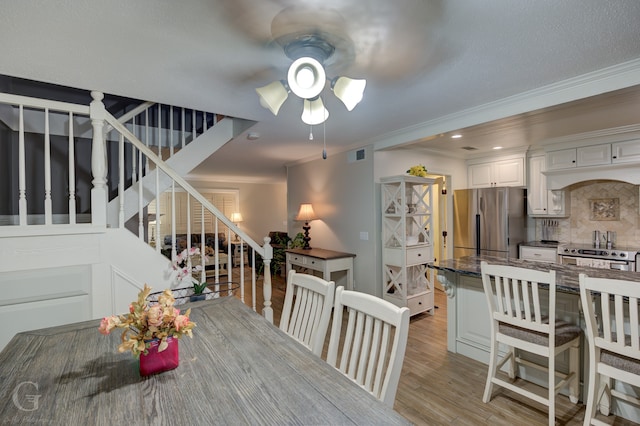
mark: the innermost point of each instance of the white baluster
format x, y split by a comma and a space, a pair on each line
203, 243
146, 138
173, 220
22, 203
48, 211
121, 180
267, 310
183, 129
171, 131
193, 125
72, 174
159, 131
133, 153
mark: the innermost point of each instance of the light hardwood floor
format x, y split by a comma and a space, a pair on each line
441, 388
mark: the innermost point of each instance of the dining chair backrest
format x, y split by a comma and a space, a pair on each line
307, 309
374, 342
611, 309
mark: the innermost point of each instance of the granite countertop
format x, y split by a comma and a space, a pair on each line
566, 275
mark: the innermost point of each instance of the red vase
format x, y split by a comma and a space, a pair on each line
156, 362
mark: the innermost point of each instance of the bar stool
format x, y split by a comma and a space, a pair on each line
521, 321
614, 347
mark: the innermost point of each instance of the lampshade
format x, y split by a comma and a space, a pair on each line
348, 90
236, 217
306, 213
306, 77
314, 112
273, 95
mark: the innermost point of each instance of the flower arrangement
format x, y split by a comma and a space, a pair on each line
418, 170
145, 323
183, 265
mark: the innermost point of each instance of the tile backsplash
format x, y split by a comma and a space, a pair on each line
579, 227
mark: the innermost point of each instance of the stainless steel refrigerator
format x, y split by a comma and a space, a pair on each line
489, 221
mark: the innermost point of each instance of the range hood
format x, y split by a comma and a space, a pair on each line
559, 179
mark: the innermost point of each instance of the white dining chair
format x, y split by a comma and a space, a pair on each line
523, 318
611, 313
307, 309
374, 342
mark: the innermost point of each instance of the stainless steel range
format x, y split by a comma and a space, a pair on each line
623, 258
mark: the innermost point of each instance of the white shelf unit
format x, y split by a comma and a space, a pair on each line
407, 242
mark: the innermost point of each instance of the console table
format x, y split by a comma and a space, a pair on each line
325, 261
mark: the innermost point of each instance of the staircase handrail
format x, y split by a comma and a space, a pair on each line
162, 165
27, 101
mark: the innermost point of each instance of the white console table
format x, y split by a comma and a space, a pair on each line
325, 261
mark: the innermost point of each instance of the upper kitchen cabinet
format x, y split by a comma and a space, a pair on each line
504, 171
611, 154
626, 152
594, 155
540, 200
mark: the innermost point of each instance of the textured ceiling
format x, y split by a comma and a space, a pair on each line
432, 66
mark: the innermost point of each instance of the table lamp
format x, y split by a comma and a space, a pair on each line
236, 218
306, 214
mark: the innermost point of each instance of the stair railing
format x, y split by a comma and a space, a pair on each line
153, 163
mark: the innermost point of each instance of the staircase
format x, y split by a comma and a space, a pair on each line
74, 214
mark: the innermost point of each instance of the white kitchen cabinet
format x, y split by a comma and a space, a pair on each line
561, 159
407, 242
541, 201
625, 152
594, 155
506, 172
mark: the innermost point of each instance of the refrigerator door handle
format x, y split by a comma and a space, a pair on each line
478, 235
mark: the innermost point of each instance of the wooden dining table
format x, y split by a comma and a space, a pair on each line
237, 369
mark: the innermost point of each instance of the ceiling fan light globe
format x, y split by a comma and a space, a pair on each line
306, 77
272, 96
350, 91
314, 112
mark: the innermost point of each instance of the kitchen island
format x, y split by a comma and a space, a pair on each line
468, 325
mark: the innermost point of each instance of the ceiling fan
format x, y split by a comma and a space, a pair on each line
314, 40
307, 77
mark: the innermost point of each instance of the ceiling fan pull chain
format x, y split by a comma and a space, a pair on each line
324, 138
310, 132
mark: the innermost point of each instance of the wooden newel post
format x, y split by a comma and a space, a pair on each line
267, 310
97, 113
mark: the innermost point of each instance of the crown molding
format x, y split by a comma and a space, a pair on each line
594, 83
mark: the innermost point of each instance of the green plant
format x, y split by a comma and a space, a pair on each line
298, 241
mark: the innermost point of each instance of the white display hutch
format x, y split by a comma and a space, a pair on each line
407, 242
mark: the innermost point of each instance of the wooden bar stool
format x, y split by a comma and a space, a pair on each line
521, 319
614, 342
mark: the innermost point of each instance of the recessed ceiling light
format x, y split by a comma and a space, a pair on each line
497, 147
456, 136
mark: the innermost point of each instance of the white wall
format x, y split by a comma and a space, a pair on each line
346, 198
342, 195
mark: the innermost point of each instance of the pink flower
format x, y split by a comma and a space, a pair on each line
107, 324
181, 321
154, 316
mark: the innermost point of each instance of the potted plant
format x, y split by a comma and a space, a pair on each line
185, 268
